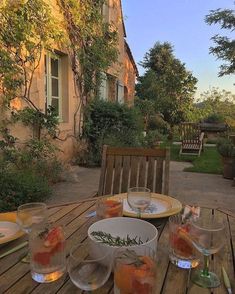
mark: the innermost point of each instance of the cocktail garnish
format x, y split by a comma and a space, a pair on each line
130, 257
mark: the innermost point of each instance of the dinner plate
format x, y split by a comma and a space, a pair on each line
161, 206
9, 229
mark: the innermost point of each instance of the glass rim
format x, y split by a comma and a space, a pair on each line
111, 197
33, 205
138, 247
85, 261
175, 217
145, 189
220, 226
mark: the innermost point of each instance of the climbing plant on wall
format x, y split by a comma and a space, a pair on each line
28, 27
92, 49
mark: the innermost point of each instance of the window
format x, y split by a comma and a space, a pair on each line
111, 88
53, 82
120, 92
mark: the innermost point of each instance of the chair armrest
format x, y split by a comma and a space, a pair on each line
201, 136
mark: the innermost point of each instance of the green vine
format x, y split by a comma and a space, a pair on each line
92, 49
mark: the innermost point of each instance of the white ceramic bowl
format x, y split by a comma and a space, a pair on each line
123, 226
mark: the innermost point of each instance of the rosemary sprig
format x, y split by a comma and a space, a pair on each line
107, 238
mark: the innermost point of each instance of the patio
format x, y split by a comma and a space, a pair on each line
204, 189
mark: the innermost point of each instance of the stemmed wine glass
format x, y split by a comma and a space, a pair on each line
139, 198
30, 215
88, 267
207, 235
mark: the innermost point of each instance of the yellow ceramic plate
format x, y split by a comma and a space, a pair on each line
161, 206
9, 229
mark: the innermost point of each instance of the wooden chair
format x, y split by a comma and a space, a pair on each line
130, 167
191, 139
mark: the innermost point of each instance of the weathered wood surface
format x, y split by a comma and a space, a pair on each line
15, 276
123, 168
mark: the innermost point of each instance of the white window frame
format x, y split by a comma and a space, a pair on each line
48, 78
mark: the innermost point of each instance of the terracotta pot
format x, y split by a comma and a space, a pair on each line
228, 167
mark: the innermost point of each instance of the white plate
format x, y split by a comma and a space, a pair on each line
8, 230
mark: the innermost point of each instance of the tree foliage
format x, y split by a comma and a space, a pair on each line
25, 30
220, 103
224, 48
167, 82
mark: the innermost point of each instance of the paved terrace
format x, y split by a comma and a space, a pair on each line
203, 189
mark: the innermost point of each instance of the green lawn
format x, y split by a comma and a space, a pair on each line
209, 161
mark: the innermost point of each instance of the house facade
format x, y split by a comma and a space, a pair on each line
53, 83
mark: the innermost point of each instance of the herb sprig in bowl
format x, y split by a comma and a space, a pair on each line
110, 240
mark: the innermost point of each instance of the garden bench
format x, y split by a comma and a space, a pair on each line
191, 139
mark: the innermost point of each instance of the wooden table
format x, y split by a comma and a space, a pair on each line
15, 276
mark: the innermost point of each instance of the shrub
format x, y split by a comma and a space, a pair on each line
226, 148
109, 123
158, 123
214, 118
152, 138
37, 156
19, 187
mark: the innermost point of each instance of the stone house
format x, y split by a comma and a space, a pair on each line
53, 82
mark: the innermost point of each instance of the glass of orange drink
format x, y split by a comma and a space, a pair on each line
107, 207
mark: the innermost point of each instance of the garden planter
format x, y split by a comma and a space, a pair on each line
228, 167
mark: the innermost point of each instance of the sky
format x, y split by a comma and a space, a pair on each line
180, 22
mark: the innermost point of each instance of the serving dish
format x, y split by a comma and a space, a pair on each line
123, 227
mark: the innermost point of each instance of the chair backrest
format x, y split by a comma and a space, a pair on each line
123, 168
190, 131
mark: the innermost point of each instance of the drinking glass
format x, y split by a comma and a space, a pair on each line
88, 268
139, 198
31, 215
181, 250
135, 270
107, 207
207, 235
47, 253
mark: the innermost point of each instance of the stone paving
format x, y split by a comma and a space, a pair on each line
203, 189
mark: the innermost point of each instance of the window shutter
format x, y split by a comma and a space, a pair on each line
103, 86
120, 92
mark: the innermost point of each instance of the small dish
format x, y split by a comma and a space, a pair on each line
9, 229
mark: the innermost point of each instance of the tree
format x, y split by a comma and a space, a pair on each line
224, 48
220, 103
167, 82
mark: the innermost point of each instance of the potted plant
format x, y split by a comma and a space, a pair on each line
226, 149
